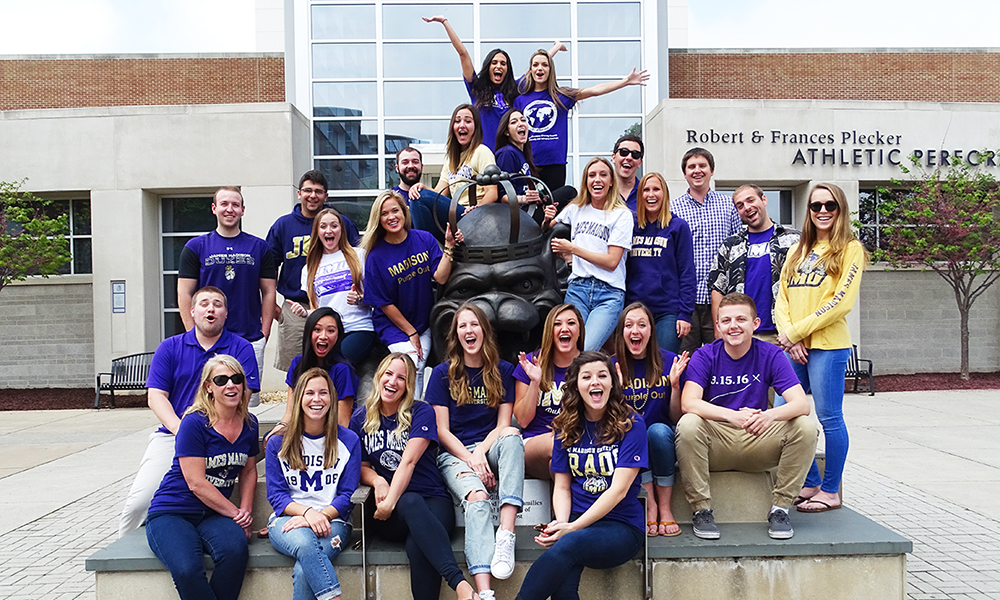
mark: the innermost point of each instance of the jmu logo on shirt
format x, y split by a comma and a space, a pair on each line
588, 462
230, 273
417, 260
810, 273
541, 115
300, 247
758, 250
551, 401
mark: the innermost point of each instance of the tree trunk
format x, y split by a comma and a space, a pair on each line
963, 312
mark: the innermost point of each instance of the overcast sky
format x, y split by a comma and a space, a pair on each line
127, 26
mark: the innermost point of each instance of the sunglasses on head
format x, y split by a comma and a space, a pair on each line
829, 205
624, 152
221, 380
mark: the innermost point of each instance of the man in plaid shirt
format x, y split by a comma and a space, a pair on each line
712, 219
750, 262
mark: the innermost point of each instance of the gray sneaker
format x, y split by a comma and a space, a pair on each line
704, 525
778, 525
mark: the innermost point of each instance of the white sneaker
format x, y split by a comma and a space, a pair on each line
502, 565
486, 595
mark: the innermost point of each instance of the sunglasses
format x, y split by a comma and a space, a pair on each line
221, 380
624, 152
829, 205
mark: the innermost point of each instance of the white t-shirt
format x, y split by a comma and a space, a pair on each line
333, 281
596, 230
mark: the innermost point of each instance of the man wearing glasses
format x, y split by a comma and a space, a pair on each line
289, 241
627, 158
174, 377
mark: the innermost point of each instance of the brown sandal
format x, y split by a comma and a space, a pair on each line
668, 524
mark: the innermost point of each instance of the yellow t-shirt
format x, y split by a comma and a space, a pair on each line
812, 306
481, 158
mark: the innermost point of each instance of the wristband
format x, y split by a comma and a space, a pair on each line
411, 335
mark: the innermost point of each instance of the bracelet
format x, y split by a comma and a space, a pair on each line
308, 508
449, 252
411, 335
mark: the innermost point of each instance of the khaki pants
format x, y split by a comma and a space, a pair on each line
290, 328
704, 446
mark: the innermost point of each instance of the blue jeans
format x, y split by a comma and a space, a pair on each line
662, 456
600, 305
313, 577
506, 459
425, 526
357, 345
823, 376
431, 210
603, 545
179, 541
666, 333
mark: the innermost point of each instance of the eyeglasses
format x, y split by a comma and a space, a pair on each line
829, 205
310, 191
625, 152
221, 380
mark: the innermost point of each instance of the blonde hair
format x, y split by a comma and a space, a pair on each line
204, 402
373, 407
291, 442
840, 238
458, 377
663, 219
376, 233
315, 256
614, 198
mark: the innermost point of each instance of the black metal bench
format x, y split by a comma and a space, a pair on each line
127, 373
856, 371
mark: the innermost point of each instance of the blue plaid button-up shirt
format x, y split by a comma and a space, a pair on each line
711, 223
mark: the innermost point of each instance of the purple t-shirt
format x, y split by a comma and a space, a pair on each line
177, 364
490, 115
342, 374
547, 124
223, 462
741, 383
383, 451
757, 284
512, 160
402, 275
652, 402
234, 265
473, 421
549, 403
592, 465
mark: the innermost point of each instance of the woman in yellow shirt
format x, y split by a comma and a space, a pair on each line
819, 285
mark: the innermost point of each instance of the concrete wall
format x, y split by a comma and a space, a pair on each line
48, 334
910, 324
126, 159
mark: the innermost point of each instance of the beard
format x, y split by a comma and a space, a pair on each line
409, 177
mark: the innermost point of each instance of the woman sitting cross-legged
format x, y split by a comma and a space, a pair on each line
312, 470
191, 513
599, 448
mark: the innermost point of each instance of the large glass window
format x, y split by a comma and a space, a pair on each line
873, 221
181, 219
382, 78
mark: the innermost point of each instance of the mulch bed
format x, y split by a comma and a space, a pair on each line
53, 399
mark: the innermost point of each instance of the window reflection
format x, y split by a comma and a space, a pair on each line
598, 135
351, 174
604, 59
520, 55
344, 99
420, 60
343, 61
607, 20
429, 98
400, 134
625, 100
345, 137
541, 20
343, 22
402, 21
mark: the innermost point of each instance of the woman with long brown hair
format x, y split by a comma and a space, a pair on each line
600, 446
819, 284
539, 388
472, 392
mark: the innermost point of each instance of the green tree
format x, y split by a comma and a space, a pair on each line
32, 235
947, 220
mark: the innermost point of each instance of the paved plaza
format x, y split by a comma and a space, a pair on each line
925, 464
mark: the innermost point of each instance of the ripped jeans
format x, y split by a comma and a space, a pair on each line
313, 576
506, 460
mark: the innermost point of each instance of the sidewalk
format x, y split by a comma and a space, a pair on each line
926, 464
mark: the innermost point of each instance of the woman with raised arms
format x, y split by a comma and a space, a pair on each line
472, 392
599, 447
312, 471
546, 104
398, 449
539, 388
216, 446
651, 382
401, 265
